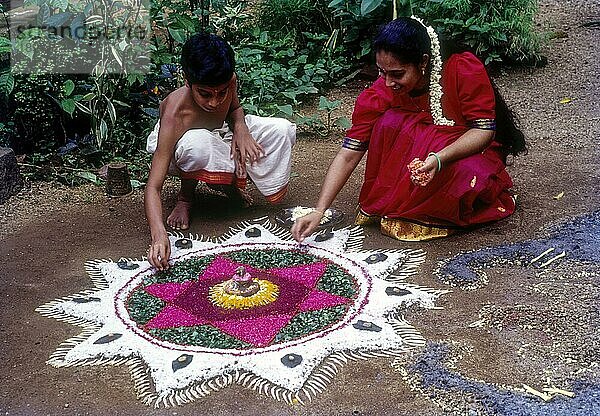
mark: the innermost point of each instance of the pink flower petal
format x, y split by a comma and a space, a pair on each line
318, 300
256, 331
308, 275
168, 291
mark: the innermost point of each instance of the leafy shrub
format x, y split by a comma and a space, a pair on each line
287, 51
499, 30
37, 119
295, 18
273, 75
357, 21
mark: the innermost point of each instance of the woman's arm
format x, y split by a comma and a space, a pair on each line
338, 173
471, 142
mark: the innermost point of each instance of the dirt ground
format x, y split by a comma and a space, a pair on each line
518, 325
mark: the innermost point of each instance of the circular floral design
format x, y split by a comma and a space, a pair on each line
301, 294
337, 302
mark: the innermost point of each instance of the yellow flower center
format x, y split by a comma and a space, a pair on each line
267, 293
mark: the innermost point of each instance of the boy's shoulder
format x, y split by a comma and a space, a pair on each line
173, 103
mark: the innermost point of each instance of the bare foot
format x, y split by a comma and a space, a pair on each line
180, 216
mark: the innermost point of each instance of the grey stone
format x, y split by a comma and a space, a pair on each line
10, 177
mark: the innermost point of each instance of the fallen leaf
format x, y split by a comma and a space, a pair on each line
559, 195
88, 176
566, 100
135, 184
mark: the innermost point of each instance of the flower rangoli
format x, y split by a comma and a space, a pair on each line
252, 307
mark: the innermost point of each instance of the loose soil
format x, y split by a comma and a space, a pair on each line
524, 326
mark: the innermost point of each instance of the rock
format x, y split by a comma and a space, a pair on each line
10, 177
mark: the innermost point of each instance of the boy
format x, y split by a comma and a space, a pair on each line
204, 135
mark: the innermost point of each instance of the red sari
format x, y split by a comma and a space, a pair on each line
398, 128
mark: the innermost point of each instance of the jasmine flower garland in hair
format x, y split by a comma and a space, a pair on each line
435, 88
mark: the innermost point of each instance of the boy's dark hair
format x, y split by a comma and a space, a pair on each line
207, 59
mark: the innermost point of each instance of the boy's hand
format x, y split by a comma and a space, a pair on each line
244, 145
240, 166
159, 253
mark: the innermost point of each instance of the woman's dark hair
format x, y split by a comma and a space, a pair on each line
207, 59
508, 132
407, 39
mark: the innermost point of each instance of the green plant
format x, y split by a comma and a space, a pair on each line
329, 107
273, 74
323, 122
496, 31
357, 22
6, 132
37, 118
295, 18
7, 81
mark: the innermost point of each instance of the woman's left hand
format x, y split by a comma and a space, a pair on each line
423, 175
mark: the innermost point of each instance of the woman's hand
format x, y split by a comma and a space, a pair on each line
424, 174
159, 252
306, 225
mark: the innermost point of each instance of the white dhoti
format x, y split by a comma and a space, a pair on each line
204, 155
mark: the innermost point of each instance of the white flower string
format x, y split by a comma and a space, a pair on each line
435, 88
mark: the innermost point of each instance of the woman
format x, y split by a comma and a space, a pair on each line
436, 161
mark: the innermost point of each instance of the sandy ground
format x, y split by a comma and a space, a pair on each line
509, 324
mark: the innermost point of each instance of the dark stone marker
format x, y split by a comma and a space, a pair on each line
376, 258
107, 338
182, 361
396, 291
253, 232
291, 360
323, 237
183, 243
366, 326
10, 177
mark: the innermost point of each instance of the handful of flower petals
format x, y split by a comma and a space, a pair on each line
418, 178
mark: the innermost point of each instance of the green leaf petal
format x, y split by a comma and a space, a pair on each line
68, 105
343, 122
68, 87
285, 109
88, 176
7, 83
367, 6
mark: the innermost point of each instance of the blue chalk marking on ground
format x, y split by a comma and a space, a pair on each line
434, 375
579, 238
